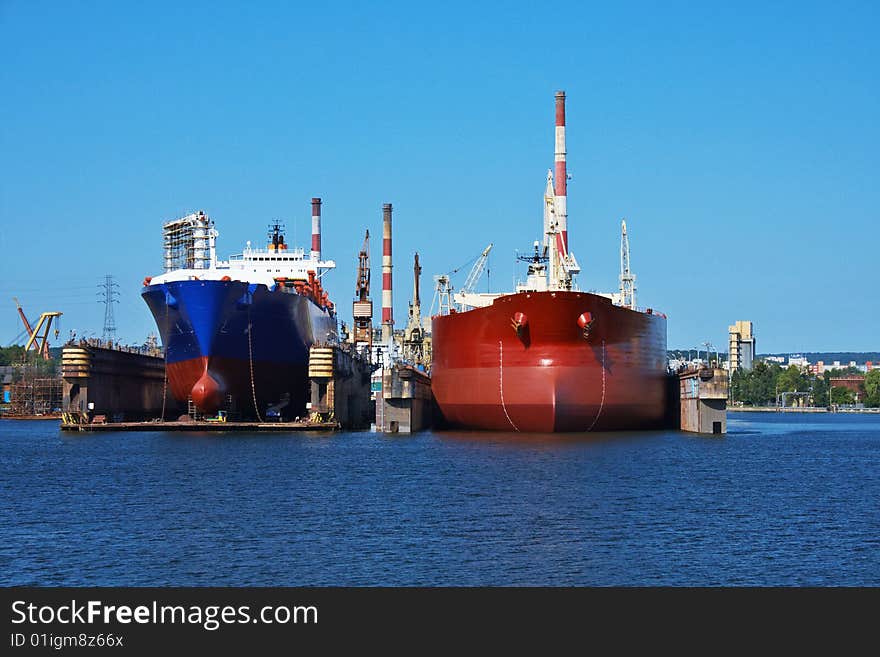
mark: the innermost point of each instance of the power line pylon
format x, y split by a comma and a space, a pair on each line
109, 294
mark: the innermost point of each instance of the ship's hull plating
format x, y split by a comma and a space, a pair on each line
234, 340
549, 376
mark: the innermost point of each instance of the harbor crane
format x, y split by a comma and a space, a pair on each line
363, 305
414, 334
24, 320
38, 336
464, 297
627, 278
476, 270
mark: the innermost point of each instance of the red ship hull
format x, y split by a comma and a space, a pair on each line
549, 374
207, 381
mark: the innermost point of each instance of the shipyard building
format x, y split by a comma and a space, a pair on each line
742, 345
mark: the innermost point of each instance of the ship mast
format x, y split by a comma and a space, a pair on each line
549, 209
627, 278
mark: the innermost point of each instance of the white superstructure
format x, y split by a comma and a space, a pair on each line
190, 254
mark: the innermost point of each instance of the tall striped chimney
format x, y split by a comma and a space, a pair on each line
316, 229
561, 175
387, 316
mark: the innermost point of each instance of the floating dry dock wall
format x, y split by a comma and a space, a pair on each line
118, 384
340, 387
405, 404
703, 400
124, 388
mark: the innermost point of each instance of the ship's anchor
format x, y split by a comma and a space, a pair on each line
585, 322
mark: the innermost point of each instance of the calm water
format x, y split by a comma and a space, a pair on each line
785, 499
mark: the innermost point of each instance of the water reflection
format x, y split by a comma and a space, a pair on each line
550, 440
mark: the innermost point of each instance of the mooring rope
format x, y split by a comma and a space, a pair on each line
165, 357
501, 383
251, 363
602, 401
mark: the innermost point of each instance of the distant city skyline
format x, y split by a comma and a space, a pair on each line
740, 143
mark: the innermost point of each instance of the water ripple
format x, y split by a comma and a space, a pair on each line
780, 500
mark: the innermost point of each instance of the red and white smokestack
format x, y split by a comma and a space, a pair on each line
561, 174
316, 229
387, 315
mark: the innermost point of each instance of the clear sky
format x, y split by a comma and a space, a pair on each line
740, 141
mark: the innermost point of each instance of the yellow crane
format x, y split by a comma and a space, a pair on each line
38, 337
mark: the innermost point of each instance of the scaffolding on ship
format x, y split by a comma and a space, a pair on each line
189, 242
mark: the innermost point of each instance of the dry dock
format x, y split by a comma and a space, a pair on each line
122, 385
106, 390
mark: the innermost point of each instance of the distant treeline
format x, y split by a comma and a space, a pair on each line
675, 353
10, 355
14, 354
845, 357
765, 381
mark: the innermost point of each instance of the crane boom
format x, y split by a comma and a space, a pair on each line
24, 319
362, 289
476, 271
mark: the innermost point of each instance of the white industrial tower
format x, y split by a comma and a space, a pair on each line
627, 278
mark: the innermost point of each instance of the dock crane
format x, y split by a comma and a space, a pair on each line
362, 310
465, 296
38, 336
476, 270
24, 320
413, 334
462, 297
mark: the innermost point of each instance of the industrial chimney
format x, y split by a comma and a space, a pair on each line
387, 315
316, 229
561, 174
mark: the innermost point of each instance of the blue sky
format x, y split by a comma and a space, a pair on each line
740, 142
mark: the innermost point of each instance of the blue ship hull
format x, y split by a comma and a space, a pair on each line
231, 343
